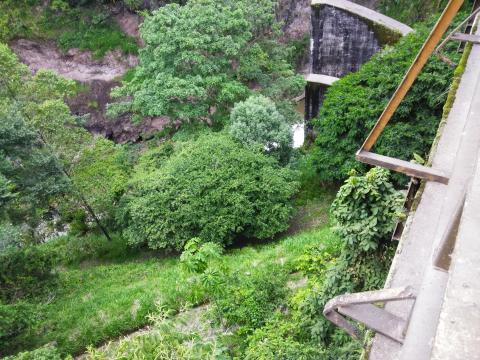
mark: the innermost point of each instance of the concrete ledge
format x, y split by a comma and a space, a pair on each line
321, 79
367, 14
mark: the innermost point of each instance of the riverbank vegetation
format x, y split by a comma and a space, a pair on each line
214, 238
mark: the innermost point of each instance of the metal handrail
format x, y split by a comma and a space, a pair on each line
417, 66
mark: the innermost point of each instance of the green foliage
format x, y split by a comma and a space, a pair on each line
15, 319
101, 174
366, 209
249, 300
17, 19
197, 256
90, 28
39, 137
364, 215
353, 104
112, 294
413, 11
257, 122
48, 352
165, 341
11, 236
277, 340
24, 272
98, 38
214, 189
200, 58
74, 251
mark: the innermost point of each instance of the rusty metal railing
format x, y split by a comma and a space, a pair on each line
364, 154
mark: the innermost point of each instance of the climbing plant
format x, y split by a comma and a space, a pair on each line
353, 104
364, 214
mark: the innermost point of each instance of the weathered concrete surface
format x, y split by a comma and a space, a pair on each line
321, 79
367, 14
458, 333
456, 155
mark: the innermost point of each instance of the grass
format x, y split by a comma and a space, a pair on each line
94, 304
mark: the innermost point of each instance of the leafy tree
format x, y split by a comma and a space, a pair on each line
354, 103
257, 121
201, 58
41, 141
101, 174
212, 188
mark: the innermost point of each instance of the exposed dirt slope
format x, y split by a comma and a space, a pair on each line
75, 64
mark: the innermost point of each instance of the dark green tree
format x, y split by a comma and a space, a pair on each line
214, 189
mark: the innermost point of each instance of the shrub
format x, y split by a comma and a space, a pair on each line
212, 188
100, 174
197, 256
47, 352
354, 103
24, 271
200, 59
10, 237
15, 319
257, 122
277, 340
249, 300
366, 209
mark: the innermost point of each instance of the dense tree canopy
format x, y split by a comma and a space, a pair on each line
212, 188
199, 59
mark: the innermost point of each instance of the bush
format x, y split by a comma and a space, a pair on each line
257, 122
201, 58
366, 209
24, 271
72, 250
249, 300
212, 188
354, 103
10, 237
277, 341
197, 256
15, 319
48, 352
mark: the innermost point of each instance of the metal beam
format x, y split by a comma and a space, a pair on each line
402, 166
474, 39
435, 36
359, 307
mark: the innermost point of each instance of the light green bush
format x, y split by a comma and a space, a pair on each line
257, 122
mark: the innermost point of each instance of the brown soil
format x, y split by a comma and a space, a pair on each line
75, 64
